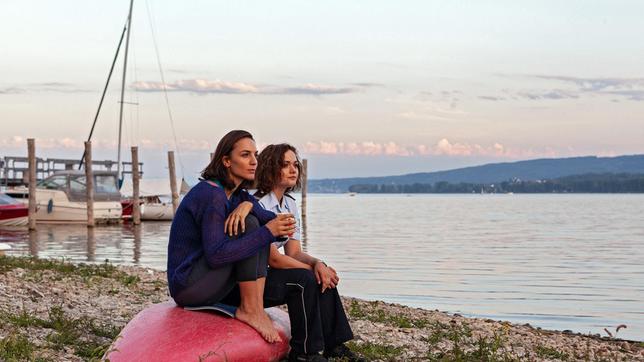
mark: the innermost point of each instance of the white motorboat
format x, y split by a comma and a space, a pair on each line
155, 200
157, 208
62, 197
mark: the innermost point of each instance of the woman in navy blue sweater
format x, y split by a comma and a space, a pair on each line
205, 265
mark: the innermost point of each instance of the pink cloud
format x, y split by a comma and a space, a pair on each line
442, 147
204, 86
197, 86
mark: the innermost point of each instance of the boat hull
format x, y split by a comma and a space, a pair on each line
14, 215
162, 212
166, 332
53, 206
149, 211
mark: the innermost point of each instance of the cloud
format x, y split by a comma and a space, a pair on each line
442, 147
312, 89
42, 143
54, 87
11, 90
597, 84
197, 86
633, 95
20, 142
552, 94
575, 88
368, 84
203, 86
491, 98
52, 84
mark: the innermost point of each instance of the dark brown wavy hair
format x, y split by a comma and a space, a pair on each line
216, 169
269, 168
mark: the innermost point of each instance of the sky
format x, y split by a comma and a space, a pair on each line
361, 88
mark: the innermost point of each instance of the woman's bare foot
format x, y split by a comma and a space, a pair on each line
261, 322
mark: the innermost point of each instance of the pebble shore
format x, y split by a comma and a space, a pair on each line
55, 311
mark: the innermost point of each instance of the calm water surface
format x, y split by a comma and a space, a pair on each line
556, 261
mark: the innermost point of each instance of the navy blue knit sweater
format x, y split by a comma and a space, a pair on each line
198, 229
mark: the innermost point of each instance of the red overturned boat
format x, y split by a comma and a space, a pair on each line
12, 212
166, 332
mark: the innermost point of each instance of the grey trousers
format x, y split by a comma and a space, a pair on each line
208, 286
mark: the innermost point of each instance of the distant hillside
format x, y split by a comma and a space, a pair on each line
614, 183
539, 169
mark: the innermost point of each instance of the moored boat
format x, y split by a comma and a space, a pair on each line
152, 208
155, 200
12, 212
155, 208
62, 197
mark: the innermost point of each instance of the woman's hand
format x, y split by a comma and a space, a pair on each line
236, 221
326, 276
282, 225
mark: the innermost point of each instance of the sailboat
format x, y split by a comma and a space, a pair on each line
155, 205
61, 197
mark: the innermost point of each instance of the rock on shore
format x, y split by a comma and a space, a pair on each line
52, 310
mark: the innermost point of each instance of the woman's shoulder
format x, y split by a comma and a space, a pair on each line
267, 200
290, 199
206, 188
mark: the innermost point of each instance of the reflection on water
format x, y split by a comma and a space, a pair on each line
556, 261
120, 244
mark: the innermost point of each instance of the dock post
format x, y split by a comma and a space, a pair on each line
173, 182
89, 184
304, 189
91, 244
33, 243
31, 154
136, 207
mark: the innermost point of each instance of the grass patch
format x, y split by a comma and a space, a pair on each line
16, 347
550, 353
86, 271
373, 351
374, 314
23, 319
464, 348
86, 337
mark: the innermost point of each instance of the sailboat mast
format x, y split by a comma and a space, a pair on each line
127, 45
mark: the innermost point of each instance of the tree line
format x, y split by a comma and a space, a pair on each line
586, 183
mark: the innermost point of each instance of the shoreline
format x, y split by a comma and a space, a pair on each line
53, 310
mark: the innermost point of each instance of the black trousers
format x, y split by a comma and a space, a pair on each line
318, 320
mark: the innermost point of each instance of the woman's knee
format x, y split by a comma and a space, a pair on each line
305, 277
251, 222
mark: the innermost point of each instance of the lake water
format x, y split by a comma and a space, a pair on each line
556, 261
